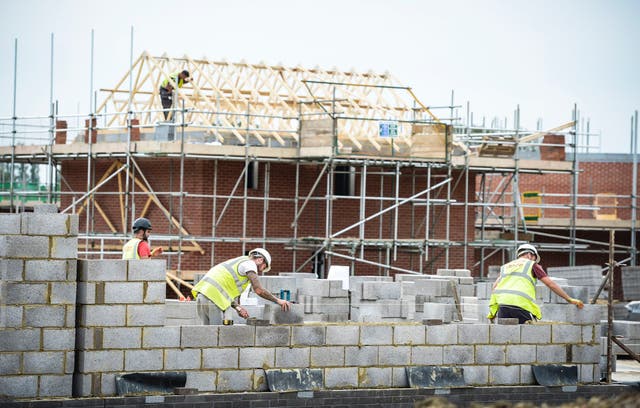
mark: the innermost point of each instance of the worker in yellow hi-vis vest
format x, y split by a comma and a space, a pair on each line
514, 292
220, 289
176, 79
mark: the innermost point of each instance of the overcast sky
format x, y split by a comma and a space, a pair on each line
542, 55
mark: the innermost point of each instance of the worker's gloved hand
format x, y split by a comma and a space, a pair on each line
284, 305
576, 302
242, 312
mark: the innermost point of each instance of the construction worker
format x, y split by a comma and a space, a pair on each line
166, 89
138, 246
514, 292
219, 290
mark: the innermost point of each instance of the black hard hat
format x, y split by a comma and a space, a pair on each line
141, 223
185, 73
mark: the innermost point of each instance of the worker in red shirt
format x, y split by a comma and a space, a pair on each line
138, 246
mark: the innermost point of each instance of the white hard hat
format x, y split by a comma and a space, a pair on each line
264, 254
525, 248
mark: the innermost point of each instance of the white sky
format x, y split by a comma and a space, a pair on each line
543, 55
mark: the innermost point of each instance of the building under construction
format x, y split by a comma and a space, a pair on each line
322, 168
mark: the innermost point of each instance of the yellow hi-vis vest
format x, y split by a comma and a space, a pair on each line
223, 283
130, 249
174, 77
517, 287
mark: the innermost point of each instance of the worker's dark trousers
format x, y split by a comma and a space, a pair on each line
166, 98
507, 311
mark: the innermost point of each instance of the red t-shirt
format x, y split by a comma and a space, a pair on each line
144, 251
538, 272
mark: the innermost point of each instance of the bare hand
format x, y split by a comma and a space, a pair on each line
156, 251
242, 312
284, 305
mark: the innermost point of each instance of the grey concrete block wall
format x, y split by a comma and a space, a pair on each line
38, 252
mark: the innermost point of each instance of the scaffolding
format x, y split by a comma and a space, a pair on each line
350, 129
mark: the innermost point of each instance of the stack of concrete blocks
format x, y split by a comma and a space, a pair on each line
378, 299
324, 300
432, 297
475, 309
180, 313
628, 333
117, 301
631, 282
585, 275
38, 254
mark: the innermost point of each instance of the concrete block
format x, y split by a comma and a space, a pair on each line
373, 335
375, 377
629, 330
155, 292
220, 357
145, 315
476, 375
10, 224
490, 354
45, 209
504, 334
161, 337
275, 284
198, 336
361, 356
394, 355
274, 313
271, 336
58, 339
555, 353
107, 384
26, 293
86, 293
427, 355
483, 290
439, 311
342, 335
64, 248
315, 287
185, 359
586, 354
328, 305
46, 362
521, 354
101, 315
327, 356
566, 333
121, 337
92, 270
399, 377
535, 333
11, 316
588, 373
143, 360
10, 363
23, 246
458, 355
44, 224
235, 380
63, 293
69, 363
147, 270
100, 361
236, 336
11, 270
123, 292
381, 290
45, 270
44, 316
442, 334
202, 380
504, 375
590, 333
473, 333
19, 386
526, 375
292, 357
257, 357
409, 334
346, 377
335, 289
308, 335
19, 340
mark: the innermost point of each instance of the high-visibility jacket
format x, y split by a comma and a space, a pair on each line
130, 249
517, 287
223, 283
175, 78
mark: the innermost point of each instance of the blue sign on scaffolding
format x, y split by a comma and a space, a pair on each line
388, 128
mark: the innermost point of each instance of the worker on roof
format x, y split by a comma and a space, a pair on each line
514, 292
178, 78
219, 290
138, 246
